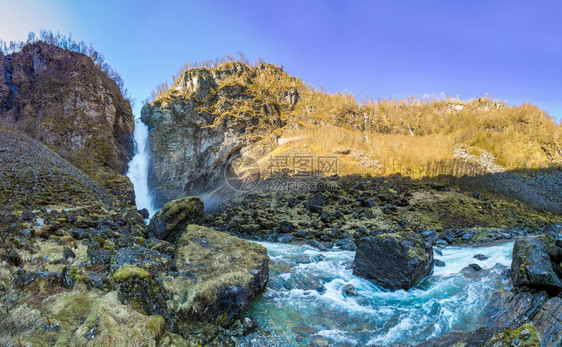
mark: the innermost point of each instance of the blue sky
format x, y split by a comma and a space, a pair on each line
511, 50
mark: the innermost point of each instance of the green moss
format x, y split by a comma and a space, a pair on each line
128, 272
507, 336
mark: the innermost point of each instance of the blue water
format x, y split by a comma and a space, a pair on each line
304, 302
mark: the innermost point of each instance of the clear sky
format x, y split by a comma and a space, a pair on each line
511, 50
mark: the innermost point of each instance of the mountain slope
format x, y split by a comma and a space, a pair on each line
211, 115
64, 100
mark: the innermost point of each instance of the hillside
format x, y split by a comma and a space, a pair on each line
63, 99
212, 114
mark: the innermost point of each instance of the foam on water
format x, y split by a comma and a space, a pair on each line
304, 300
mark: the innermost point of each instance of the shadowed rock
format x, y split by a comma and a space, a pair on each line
393, 261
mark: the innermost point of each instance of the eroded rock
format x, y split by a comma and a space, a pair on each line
393, 261
170, 222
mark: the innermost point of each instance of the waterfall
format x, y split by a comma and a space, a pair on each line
138, 168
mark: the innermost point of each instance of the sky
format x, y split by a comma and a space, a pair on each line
509, 50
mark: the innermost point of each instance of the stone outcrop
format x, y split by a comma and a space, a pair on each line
170, 222
210, 116
227, 274
393, 261
532, 266
64, 100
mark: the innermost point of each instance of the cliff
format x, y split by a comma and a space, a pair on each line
211, 115
62, 99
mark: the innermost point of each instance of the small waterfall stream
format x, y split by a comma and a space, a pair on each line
138, 168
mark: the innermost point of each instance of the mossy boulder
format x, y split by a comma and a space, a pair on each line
393, 261
137, 288
170, 222
218, 275
531, 265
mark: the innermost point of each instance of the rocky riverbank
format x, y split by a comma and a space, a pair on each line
79, 266
529, 314
342, 210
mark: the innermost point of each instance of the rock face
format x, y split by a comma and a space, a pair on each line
208, 117
531, 265
218, 275
64, 100
531, 314
393, 261
170, 222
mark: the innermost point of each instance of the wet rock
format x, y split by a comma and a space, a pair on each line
507, 308
349, 290
320, 245
285, 227
144, 213
393, 261
480, 257
441, 243
170, 222
249, 326
548, 322
287, 238
555, 252
317, 258
137, 289
428, 234
438, 263
531, 266
475, 267
346, 244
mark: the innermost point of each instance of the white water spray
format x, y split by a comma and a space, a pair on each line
138, 168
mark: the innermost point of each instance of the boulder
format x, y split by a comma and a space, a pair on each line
136, 288
147, 259
393, 261
170, 222
218, 276
531, 266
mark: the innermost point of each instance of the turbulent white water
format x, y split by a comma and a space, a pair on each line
295, 310
138, 168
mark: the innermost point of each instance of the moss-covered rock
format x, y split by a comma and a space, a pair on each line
393, 261
136, 288
531, 265
170, 222
218, 275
